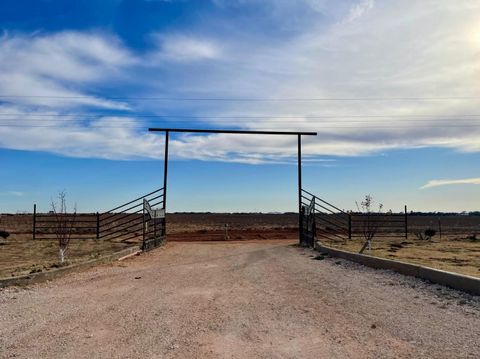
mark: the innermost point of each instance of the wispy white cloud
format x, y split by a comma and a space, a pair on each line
12, 193
402, 48
367, 58
449, 182
184, 48
359, 9
105, 137
60, 65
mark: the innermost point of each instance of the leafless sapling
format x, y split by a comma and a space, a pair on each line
64, 223
370, 225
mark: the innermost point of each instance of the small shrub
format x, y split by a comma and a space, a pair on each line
472, 237
426, 235
429, 233
4, 234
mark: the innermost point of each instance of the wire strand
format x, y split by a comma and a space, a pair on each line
303, 126
134, 115
239, 99
232, 122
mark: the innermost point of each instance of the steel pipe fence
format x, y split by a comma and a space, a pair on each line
126, 222
335, 224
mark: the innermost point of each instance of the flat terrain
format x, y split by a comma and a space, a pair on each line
452, 252
254, 299
20, 254
23, 255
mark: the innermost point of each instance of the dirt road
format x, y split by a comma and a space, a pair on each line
262, 299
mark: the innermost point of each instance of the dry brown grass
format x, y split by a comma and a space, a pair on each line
21, 255
452, 253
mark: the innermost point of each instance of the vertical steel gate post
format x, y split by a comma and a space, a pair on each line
143, 224
165, 173
314, 224
165, 170
299, 160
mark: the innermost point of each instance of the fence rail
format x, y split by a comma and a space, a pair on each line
126, 222
129, 221
335, 224
47, 225
383, 224
331, 222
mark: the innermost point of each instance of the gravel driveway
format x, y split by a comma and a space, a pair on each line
264, 299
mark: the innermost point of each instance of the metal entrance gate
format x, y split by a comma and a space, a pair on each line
310, 230
153, 226
307, 224
136, 220
323, 221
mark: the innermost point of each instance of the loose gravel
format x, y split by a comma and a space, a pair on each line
264, 299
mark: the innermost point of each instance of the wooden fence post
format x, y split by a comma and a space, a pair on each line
406, 223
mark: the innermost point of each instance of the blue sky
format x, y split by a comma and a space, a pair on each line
390, 86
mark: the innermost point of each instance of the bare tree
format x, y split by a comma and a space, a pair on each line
64, 223
369, 224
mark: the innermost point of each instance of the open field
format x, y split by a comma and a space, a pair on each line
452, 248
20, 254
253, 299
453, 252
23, 256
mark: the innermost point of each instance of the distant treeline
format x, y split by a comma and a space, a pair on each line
438, 214
234, 213
410, 213
474, 213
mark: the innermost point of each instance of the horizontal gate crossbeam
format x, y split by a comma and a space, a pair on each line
239, 132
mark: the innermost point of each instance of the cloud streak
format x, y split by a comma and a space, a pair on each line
12, 193
55, 70
450, 182
183, 48
359, 9
369, 50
